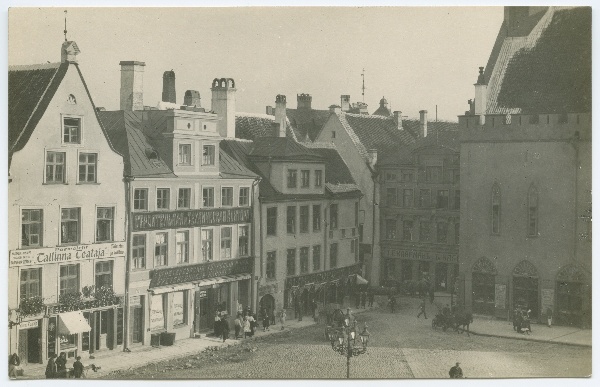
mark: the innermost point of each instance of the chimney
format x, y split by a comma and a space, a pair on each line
398, 119
304, 101
480, 96
270, 111
132, 85
423, 122
168, 94
192, 98
345, 102
335, 109
223, 104
68, 52
280, 114
372, 156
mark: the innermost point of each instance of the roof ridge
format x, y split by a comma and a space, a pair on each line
38, 66
255, 115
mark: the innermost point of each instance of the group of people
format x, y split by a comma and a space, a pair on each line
14, 366
246, 323
57, 367
522, 320
361, 299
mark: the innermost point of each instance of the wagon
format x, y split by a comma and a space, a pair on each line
334, 318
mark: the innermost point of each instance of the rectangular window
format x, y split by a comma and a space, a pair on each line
225, 242
138, 251
333, 252
442, 232
30, 284
243, 241
291, 261
104, 274
457, 233
316, 217
208, 197
442, 199
105, 219
318, 178
305, 178
292, 177
162, 198
333, 216
31, 228
87, 167
227, 197
533, 220
207, 245
317, 258
407, 226
407, 198
457, 199
69, 279
55, 167
425, 198
185, 154
184, 197
391, 196
244, 199
425, 231
160, 249
182, 238
390, 228
303, 260
304, 215
140, 199
71, 130
272, 221
69, 226
271, 260
208, 155
291, 219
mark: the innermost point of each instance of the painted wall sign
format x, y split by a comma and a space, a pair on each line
324, 276
421, 255
29, 324
145, 221
190, 273
157, 317
62, 254
547, 300
178, 308
500, 299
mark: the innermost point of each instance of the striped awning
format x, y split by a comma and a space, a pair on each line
71, 323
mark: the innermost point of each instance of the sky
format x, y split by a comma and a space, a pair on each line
416, 57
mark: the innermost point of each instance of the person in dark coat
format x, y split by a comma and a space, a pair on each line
224, 328
253, 323
51, 367
61, 366
14, 366
78, 368
371, 298
456, 372
266, 319
237, 323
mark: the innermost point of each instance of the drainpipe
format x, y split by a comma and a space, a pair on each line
127, 180
253, 296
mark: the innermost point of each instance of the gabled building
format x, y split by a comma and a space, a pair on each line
526, 170
66, 207
304, 121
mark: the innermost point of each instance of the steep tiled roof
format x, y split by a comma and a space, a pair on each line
231, 169
337, 175
307, 122
549, 70
30, 90
282, 147
250, 126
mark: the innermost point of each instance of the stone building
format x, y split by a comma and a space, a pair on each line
526, 170
66, 207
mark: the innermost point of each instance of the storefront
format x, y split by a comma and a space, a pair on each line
483, 286
525, 294
573, 297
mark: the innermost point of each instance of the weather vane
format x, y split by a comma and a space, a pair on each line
65, 31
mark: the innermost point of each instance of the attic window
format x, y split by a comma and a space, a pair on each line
333, 134
151, 154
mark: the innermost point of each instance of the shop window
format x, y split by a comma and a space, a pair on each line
391, 196
180, 308
243, 241
227, 197
291, 262
292, 177
160, 249
442, 199
104, 274
390, 228
271, 264
67, 342
333, 216
138, 251
291, 219
208, 197
208, 155
163, 198
185, 154
272, 221
31, 228
495, 209
425, 198
318, 178
69, 279
105, 220
140, 199
425, 231
532, 199
71, 130
407, 233
184, 198
182, 238
207, 244
407, 198
303, 260
244, 199
87, 167
30, 283
305, 178
316, 257
304, 215
333, 255
55, 167
316, 217
157, 316
69, 226
442, 232
225, 242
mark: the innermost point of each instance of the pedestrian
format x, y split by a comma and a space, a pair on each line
371, 298
313, 305
246, 327
363, 299
456, 372
282, 318
431, 295
253, 323
549, 316
51, 367
224, 328
298, 308
237, 324
61, 366
266, 320
217, 326
14, 366
78, 368
422, 309
392, 302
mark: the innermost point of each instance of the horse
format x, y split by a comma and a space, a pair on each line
462, 320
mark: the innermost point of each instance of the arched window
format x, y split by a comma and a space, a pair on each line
496, 209
532, 211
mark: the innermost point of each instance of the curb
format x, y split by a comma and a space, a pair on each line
530, 339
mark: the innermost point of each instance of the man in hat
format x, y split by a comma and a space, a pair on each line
456, 372
78, 368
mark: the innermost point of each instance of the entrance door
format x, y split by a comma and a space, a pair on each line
138, 324
202, 311
33, 345
483, 293
103, 329
525, 294
569, 303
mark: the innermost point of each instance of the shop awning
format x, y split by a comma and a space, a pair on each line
71, 323
360, 280
224, 279
172, 288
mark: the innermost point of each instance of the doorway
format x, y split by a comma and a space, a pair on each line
29, 345
138, 324
202, 310
525, 294
103, 329
441, 276
267, 302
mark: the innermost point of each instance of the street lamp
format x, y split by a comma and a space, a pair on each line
343, 340
14, 318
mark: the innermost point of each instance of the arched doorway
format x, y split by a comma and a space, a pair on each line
570, 292
483, 286
267, 302
525, 288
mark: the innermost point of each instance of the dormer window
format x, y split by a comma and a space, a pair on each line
72, 130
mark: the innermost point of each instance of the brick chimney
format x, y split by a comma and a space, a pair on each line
223, 104
345, 102
68, 52
281, 114
192, 98
132, 85
423, 122
304, 101
168, 94
480, 96
398, 119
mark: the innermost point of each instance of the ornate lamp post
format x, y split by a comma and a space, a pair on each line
343, 341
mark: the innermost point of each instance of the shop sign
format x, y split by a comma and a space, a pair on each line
145, 221
29, 324
321, 277
157, 317
500, 299
65, 254
421, 255
178, 308
547, 300
191, 273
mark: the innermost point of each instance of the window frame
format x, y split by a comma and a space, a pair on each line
79, 129
28, 282
318, 178
271, 218
161, 247
160, 198
110, 272
244, 239
391, 231
408, 198
181, 161
78, 226
205, 190
182, 247
533, 212
111, 223
290, 221
440, 198
305, 178
184, 205
28, 223
333, 216
54, 165
208, 245
304, 259
86, 164
407, 231
223, 253
77, 277
210, 157
246, 202
391, 196
425, 232
316, 217
271, 268
291, 262
442, 237
496, 209
292, 178
333, 255
138, 200
229, 202
316, 257
304, 220
136, 249
424, 197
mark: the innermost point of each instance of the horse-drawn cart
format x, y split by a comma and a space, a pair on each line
335, 318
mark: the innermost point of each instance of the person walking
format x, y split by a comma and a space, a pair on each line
371, 298
549, 316
363, 300
14, 366
61, 366
237, 324
266, 320
51, 367
246, 327
422, 309
282, 319
224, 328
392, 302
78, 368
253, 323
456, 372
